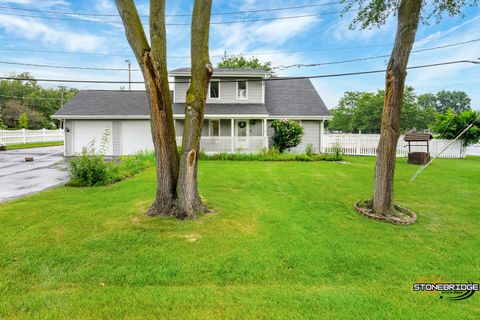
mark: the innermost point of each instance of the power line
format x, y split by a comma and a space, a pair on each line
281, 67
182, 24
333, 75
299, 65
64, 67
90, 14
238, 54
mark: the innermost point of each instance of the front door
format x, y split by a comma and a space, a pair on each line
241, 134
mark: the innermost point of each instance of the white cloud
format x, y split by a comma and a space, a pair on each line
38, 4
104, 5
341, 31
31, 29
242, 36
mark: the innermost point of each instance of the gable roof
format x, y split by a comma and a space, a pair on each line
293, 97
283, 97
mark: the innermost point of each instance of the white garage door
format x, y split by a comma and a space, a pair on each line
136, 136
89, 130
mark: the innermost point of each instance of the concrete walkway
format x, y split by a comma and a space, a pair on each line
19, 178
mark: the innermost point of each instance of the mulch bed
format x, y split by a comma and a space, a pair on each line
409, 217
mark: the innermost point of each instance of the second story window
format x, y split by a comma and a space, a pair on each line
214, 90
242, 90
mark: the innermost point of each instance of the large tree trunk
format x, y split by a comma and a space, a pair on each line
152, 62
189, 201
408, 18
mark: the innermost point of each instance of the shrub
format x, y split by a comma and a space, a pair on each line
336, 152
288, 134
269, 155
90, 169
23, 121
309, 150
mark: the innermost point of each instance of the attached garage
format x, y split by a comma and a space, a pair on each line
122, 137
86, 131
136, 136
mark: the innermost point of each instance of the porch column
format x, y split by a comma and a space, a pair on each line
232, 135
322, 132
265, 133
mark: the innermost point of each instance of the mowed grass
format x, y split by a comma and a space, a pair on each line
30, 145
284, 243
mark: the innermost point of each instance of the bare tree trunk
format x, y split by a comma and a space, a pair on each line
408, 18
153, 63
189, 201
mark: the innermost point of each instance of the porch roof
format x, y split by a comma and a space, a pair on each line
226, 109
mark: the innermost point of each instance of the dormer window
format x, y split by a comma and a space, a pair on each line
242, 90
214, 90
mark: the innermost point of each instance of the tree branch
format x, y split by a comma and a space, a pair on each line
133, 28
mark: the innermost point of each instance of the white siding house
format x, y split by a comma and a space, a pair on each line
241, 105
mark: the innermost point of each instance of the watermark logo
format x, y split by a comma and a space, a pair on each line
455, 291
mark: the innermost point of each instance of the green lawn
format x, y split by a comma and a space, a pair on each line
34, 145
284, 243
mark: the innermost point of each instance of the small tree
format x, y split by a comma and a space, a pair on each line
240, 62
23, 121
288, 134
449, 124
2, 125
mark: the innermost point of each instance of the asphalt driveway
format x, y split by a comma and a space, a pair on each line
19, 178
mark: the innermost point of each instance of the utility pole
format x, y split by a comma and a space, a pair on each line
129, 75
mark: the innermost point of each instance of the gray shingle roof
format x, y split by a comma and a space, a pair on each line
106, 102
293, 97
226, 108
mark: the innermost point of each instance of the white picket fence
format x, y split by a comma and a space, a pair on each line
366, 145
27, 136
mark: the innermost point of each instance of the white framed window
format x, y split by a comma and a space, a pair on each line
214, 89
214, 128
242, 90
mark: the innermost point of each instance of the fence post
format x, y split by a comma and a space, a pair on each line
358, 143
44, 135
24, 135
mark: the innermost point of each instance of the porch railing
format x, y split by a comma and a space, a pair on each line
231, 144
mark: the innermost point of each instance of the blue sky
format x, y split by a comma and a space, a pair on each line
313, 39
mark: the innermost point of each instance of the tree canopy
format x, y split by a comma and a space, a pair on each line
33, 97
374, 13
450, 124
362, 111
240, 62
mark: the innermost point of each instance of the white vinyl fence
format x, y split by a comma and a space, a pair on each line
27, 136
366, 145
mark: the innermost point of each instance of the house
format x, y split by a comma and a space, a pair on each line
240, 108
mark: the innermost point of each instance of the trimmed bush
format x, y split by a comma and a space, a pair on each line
288, 134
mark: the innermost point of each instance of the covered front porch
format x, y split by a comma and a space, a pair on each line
240, 134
